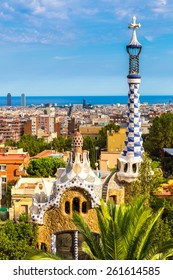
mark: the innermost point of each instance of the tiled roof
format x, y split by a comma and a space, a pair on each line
4, 156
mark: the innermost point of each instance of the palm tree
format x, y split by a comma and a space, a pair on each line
40, 255
126, 233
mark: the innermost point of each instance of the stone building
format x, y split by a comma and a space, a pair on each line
77, 188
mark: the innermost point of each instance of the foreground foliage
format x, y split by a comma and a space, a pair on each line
149, 180
40, 255
17, 239
126, 233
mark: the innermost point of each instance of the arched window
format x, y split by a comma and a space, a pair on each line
76, 204
84, 207
114, 198
125, 167
67, 207
134, 167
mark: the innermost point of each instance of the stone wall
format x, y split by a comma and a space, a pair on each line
57, 220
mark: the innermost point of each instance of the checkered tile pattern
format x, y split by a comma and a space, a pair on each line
133, 142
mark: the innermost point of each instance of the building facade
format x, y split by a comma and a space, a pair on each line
11, 129
43, 123
13, 164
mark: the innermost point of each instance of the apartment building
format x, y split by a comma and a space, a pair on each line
11, 129
13, 164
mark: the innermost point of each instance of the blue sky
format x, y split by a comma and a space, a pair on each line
77, 47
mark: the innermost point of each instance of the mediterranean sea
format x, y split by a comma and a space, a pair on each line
93, 100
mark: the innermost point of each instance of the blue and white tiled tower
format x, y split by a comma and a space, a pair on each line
129, 162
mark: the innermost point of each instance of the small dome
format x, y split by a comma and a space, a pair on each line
77, 133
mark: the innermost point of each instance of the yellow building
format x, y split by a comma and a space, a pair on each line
115, 146
115, 140
22, 193
108, 160
90, 130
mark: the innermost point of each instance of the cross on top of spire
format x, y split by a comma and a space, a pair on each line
134, 26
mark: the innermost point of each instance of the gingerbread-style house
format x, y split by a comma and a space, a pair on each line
78, 188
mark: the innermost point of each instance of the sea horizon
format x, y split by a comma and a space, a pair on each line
90, 99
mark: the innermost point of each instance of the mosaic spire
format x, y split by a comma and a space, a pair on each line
128, 163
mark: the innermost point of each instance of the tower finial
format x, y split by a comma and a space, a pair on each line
134, 26
134, 48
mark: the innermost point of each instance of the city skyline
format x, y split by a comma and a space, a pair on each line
78, 47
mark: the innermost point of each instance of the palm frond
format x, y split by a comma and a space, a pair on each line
89, 237
40, 255
126, 232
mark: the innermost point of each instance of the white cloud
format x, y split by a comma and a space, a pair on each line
65, 57
64, 21
162, 2
7, 7
149, 38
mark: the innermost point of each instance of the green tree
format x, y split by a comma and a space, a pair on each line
102, 137
10, 143
61, 144
8, 195
17, 239
89, 145
44, 167
160, 135
167, 216
126, 233
149, 179
32, 145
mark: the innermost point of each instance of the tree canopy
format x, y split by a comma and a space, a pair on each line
149, 179
160, 135
89, 144
61, 144
44, 167
17, 239
33, 146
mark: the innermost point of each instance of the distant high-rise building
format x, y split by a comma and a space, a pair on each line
23, 100
84, 103
9, 99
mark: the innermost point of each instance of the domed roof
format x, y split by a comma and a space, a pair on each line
77, 133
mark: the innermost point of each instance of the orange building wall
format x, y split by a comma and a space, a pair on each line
13, 164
